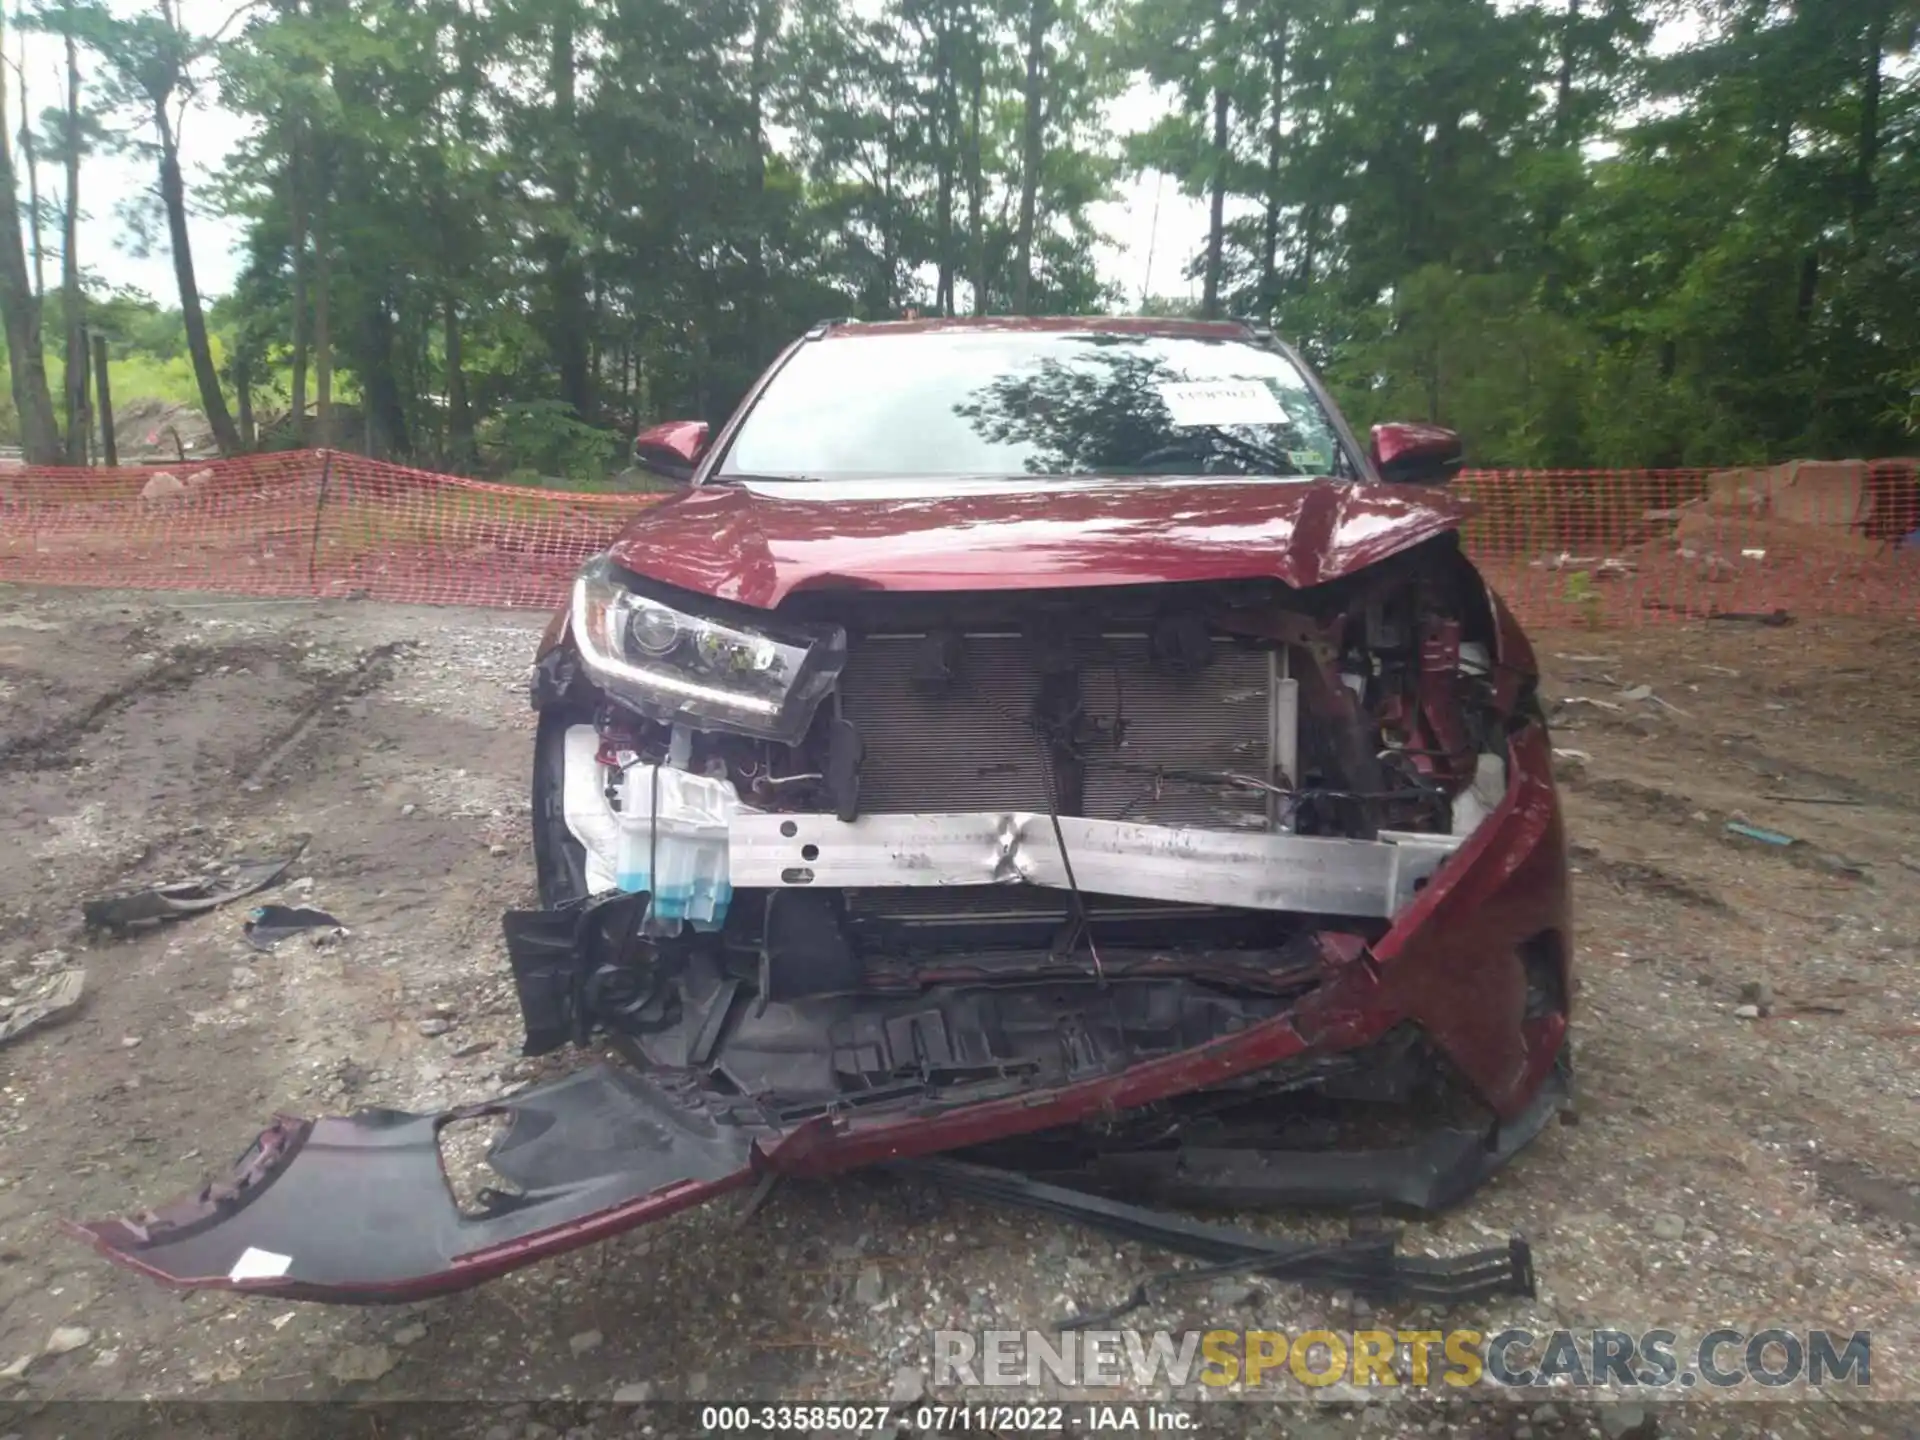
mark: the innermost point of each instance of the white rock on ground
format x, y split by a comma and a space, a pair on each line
68, 1338
361, 1363
909, 1386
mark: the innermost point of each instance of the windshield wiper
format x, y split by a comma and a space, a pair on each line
1269, 461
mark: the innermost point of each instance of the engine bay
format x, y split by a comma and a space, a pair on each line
1365, 704
1014, 825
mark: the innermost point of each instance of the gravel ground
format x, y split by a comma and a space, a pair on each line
1726, 1167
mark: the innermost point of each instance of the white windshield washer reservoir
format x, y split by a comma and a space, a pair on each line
623, 843
688, 843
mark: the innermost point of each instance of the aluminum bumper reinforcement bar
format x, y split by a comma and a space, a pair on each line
1250, 870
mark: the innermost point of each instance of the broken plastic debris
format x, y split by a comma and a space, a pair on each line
1368, 1263
1755, 832
1754, 617
270, 924
1645, 692
1602, 566
181, 898
51, 998
257, 1264
1841, 865
360, 1205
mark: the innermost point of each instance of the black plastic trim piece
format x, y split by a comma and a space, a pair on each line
1369, 1264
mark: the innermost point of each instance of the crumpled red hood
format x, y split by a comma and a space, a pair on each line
758, 545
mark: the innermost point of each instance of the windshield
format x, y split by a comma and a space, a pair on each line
1033, 403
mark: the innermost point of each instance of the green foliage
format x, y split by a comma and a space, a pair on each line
543, 225
1584, 596
1511, 218
542, 439
135, 375
1475, 352
1905, 411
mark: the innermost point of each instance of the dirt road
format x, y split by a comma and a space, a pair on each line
1724, 1169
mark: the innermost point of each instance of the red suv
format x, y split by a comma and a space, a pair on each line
1055, 739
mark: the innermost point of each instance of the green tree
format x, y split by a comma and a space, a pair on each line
20, 310
510, 234
154, 69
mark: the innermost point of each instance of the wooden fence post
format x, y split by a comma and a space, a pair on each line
80, 413
109, 442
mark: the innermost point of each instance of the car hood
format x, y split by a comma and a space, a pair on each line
758, 543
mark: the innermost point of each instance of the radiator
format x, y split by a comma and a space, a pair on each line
973, 747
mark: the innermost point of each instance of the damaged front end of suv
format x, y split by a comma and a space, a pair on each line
1155, 835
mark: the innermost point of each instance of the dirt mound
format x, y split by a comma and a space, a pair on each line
149, 429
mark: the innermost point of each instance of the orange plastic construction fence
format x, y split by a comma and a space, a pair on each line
1597, 547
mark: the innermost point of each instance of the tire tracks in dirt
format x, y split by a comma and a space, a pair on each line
1637, 800
47, 747
50, 745
1717, 748
372, 669
164, 835
1639, 875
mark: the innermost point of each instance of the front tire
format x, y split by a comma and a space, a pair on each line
559, 860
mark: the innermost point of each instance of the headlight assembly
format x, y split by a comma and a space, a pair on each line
745, 674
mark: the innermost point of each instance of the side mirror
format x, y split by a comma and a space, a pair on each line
671, 450
1416, 454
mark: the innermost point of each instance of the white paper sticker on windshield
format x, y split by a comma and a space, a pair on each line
1221, 402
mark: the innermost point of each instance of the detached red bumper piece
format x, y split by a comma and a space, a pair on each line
1141, 1083
1145, 1080
358, 1210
